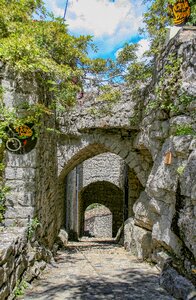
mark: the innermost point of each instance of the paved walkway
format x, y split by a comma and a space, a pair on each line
96, 270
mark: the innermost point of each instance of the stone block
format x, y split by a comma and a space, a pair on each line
181, 144
63, 238
16, 213
19, 173
163, 236
27, 160
21, 266
187, 182
137, 240
145, 214
22, 198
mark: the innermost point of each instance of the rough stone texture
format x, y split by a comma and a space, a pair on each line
98, 222
145, 211
18, 258
97, 270
20, 174
101, 168
104, 193
104, 167
166, 210
63, 238
137, 240
178, 286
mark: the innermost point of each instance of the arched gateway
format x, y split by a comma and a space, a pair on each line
158, 193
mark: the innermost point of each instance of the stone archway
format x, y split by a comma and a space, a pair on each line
104, 193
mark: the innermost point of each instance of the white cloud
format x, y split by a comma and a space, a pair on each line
144, 46
100, 17
109, 22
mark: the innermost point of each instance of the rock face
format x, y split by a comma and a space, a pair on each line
178, 286
153, 133
19, 258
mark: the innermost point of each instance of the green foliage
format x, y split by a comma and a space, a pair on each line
2, 167
186, 99
184, 129
167, 90
156, 20
138, 72
192, 18
108, 96
20, 288
94, 205
108, 93
180, 170
3, 191
43, 49
127, 54
32, 226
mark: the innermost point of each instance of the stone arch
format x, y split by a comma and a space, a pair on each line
103, 167
73, 152
104, 193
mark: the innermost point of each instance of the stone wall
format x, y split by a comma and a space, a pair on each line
104, 167
32, 175
20, 172
162, 206
19, 259
98, 222
164, 212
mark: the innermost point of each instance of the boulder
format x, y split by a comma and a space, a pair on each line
145, 211
137, 240
177, 285
63, 238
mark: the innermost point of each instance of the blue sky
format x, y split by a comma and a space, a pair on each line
111, 23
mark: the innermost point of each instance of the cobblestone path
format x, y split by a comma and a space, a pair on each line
97, 270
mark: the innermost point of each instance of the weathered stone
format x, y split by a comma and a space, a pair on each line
103, 167
187, 226
177, 285
27, 160
137, 240
19, 173
63, 238
35, 271
2, 276
160, 257
4, 292
162, 177
21, 266
162, 235
144, 216
37, 179
188, 184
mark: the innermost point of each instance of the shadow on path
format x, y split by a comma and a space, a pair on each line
97, 271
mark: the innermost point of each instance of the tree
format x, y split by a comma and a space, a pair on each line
42, 48
156, 21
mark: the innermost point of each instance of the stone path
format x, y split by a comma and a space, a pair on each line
97, 270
